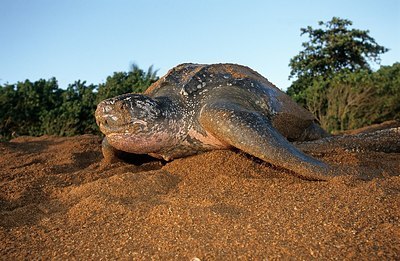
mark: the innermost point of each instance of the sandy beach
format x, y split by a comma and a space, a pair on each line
57, 200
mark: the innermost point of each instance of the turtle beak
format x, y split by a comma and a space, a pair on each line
104, 114
111, 113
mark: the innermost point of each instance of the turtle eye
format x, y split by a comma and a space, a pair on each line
139, 123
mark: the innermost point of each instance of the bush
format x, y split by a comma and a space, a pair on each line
41, 107
352, 100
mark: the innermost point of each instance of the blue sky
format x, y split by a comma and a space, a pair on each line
91, 39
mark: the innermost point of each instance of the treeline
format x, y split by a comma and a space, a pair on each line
334, 80
346, 100
42, 107
350, 100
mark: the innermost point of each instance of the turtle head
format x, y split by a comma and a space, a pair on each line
132, 122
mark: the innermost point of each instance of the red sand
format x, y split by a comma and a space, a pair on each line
58, 201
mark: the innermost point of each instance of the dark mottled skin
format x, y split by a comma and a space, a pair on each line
196, 108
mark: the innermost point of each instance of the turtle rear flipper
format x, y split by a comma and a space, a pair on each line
254, 134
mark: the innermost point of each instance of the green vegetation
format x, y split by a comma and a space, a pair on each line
41, 107
136, 80
353, 100
334, 80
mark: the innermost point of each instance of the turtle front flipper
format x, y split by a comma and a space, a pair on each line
110, 154
254, 134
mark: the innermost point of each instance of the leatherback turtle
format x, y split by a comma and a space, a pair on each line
196, 108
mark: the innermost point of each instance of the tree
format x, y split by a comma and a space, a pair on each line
387, 83
22, 105
75, 114
41, 107
350, 100
136, 80
8, 99
356, 99
332, 49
